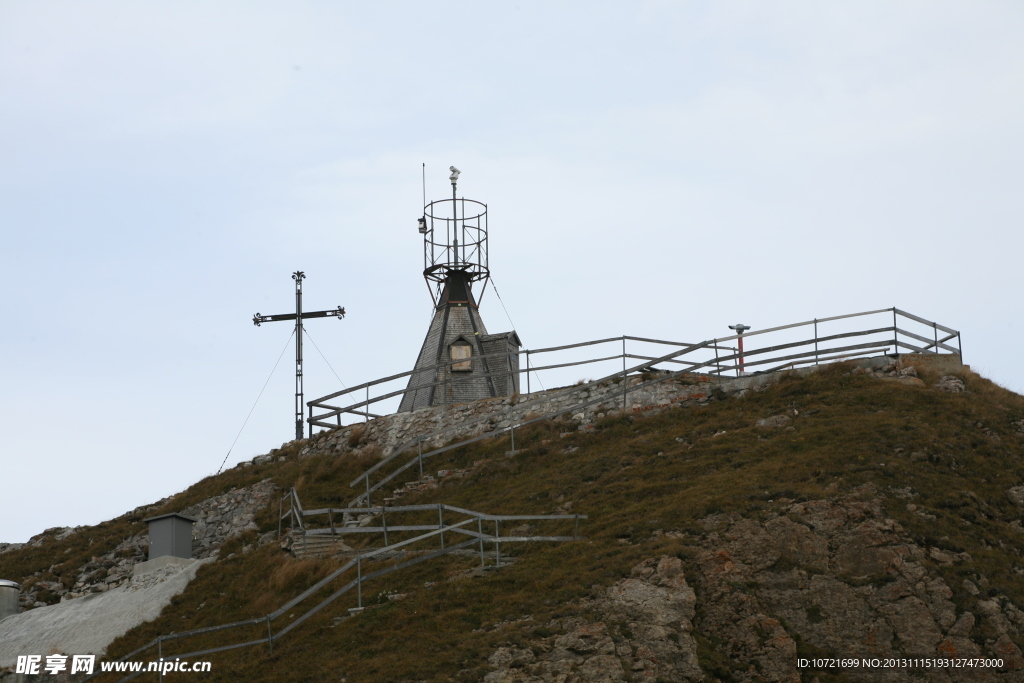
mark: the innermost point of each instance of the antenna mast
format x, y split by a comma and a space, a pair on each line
454, 239
298, 316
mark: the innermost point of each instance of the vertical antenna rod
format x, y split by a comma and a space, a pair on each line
455, 213
298, 276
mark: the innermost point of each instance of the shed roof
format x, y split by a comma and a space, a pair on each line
503, 335
171, 514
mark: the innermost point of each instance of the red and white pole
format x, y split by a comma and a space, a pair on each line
740, 329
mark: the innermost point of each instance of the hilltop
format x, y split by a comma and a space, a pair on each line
837, 512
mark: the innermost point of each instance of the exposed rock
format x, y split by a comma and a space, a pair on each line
774, 422
382, 436
227, 516
220, 519
89, 625
1016, 495
657, 607
953, 385
834, 576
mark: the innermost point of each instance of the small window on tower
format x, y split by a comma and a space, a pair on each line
461, 352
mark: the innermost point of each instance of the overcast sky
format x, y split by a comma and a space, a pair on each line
659, 169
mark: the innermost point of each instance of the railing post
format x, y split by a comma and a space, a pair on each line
895, 339
497, 543
367, 489
935, 329
359, 580
366, 408
815, 341
270, 637
384, 523
440, 522
625, 384
718, 366
280, 514
419, 446
528, 371
960, 348
160, 654
511, 424
330, 518
480, 531
576, 529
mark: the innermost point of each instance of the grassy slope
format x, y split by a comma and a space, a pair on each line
632, 477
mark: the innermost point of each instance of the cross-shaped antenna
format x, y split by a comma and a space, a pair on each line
298, 316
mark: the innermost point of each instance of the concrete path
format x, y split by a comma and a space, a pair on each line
87, 625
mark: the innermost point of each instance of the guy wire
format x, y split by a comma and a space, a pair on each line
257, 401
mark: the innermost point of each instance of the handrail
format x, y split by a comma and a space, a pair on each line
432, 373
334, 412
819, 354
477, 538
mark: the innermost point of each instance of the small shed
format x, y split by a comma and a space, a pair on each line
170, 534
9, 593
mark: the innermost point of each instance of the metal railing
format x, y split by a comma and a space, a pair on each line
789, 352
322, 410
463, 527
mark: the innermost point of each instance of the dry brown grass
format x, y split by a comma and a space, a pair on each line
633, 477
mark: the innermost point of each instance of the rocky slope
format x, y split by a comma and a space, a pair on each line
220, 518
865, 510
824, 576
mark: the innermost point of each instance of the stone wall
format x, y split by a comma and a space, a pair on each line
220, 519
383, 435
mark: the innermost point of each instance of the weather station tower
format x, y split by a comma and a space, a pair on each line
459, 361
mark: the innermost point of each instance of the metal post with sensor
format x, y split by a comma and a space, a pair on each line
740, 329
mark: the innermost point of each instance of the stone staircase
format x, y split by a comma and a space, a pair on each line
318, 546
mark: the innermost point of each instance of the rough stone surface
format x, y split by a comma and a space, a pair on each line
774, 422
220, 518
384, 435
227, 516
89, 625
951, 384
649, 639
825, 576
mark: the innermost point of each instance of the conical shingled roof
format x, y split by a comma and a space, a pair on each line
493, 362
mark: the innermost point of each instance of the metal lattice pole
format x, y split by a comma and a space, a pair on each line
298, 277
298, 316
